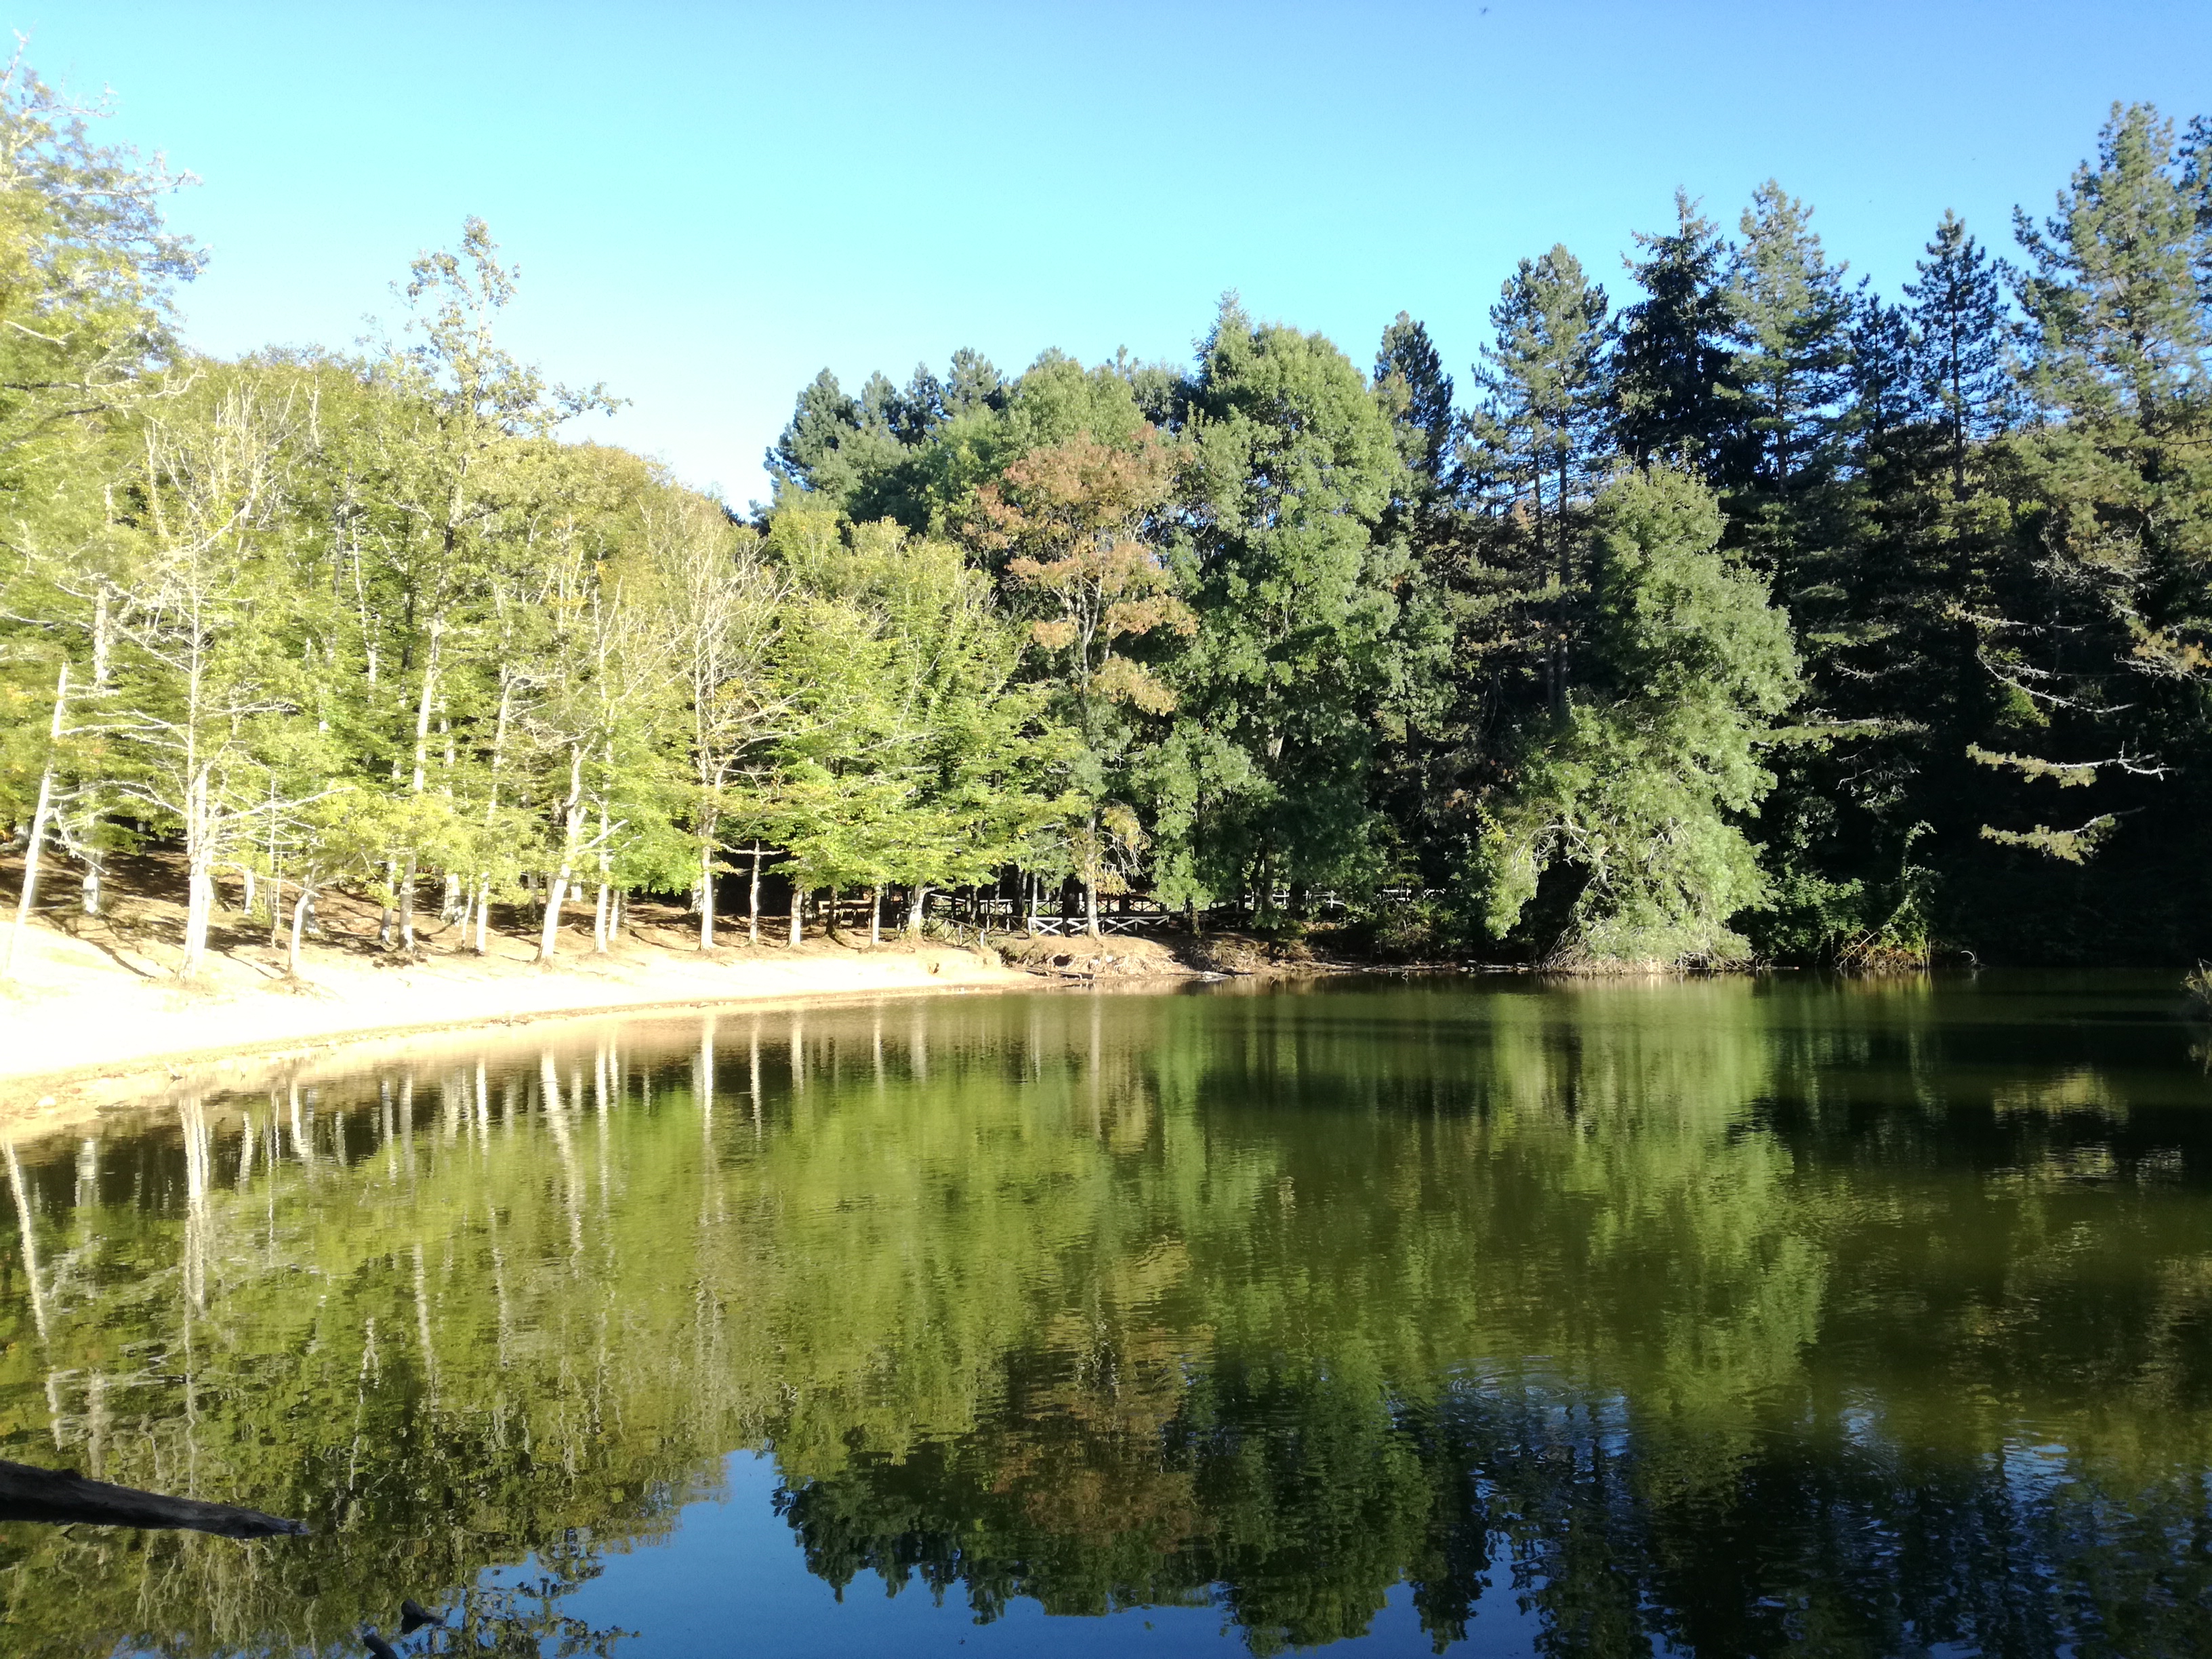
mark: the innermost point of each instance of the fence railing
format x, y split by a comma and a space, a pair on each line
1128, 913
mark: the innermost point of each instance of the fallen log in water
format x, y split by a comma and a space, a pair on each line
60, 1495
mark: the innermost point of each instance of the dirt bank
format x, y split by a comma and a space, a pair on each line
97, 998
96, 1009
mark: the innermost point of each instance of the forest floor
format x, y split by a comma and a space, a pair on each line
96, 1000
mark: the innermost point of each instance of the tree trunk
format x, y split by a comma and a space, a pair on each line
572, 829
602, 934
557, 892
914, 912
706, 893
752, 902
798, 910
199, 849
298, 925
199, 901
62, 1496
491, 806
39, 817
876, 915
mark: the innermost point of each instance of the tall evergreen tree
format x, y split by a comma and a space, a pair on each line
822, 420
919, 410
1542, 420
1793, 321
1408, 367
1886, 391
1958, 311
1293, 464
1543, 377
1673, 375
1636, 794
2101, 645
971, 383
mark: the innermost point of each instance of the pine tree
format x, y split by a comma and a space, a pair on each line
2101, 647
1792, 360
1887, 394
1543, 380
1959, 315
1673, 377
1541, 424
1636, 793
821, 420
972, 384
1293, 464
1409, 368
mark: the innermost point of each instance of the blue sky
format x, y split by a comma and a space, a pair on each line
711, 203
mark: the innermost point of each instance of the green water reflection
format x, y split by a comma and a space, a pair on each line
1728, 1318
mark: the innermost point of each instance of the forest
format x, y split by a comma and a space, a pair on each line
1739, 613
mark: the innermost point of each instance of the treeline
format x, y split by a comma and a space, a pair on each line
1757, 613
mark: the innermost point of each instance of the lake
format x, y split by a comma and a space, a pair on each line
1719, 1317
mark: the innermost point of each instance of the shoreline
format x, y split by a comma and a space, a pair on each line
83, 1031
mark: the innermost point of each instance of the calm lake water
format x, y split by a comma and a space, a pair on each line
1720, 1318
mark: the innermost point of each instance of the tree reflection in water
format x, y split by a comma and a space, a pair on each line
1727, 1316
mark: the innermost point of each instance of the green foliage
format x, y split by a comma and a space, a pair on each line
1672, 387
1638, 793
1305, 1299
1409, 374
1265, 633
1293, 464
911, 756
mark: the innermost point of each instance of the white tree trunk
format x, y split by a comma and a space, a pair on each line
602, 933
199, 851
39, 817
557, 892
298, 925
548, 935
200, 903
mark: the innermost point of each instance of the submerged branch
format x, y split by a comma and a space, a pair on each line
62, 1495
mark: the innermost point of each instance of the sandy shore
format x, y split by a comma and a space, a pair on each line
87, 1011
